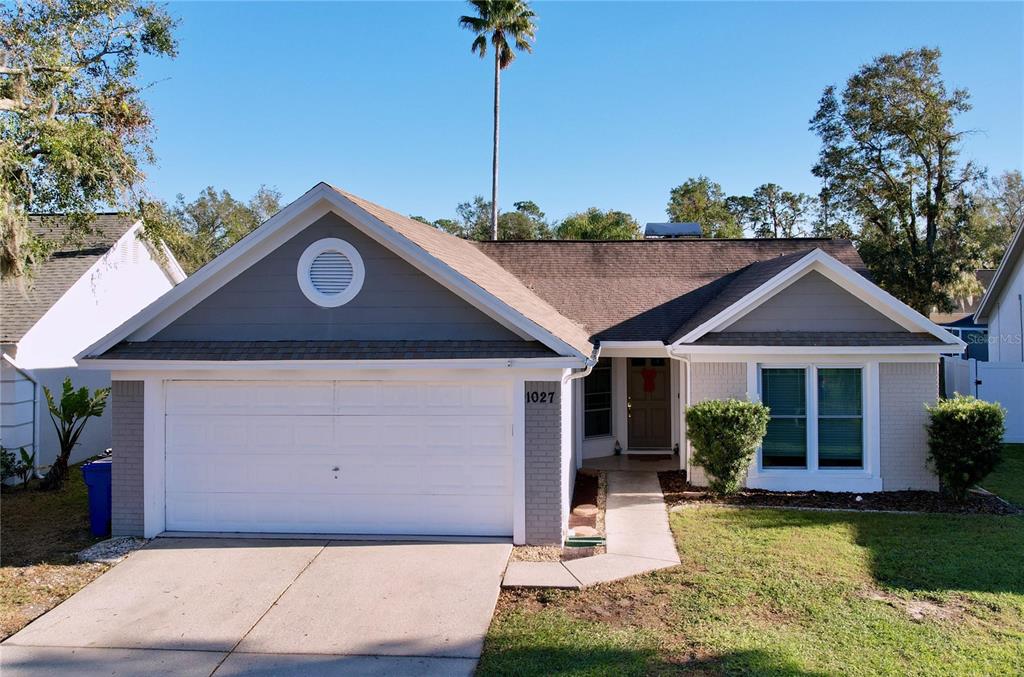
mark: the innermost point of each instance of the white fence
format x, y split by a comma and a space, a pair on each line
1001, 382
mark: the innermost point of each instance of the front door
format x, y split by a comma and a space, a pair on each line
648, 403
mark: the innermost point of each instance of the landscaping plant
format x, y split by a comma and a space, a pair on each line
725, 435
965, 442
69, 416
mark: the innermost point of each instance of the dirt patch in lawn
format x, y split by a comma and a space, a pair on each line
919, 610
679, 492
41, 533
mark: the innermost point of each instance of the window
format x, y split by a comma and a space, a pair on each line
597, 401
836, 408
784, 391
840, 419
330, 272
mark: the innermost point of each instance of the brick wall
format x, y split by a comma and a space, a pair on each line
127, 436
715, 381
544, 501
904, 388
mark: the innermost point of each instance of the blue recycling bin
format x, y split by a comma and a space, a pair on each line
97, 479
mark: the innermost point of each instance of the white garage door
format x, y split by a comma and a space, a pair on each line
339, 457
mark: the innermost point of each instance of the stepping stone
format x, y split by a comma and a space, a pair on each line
585, 510
584, 531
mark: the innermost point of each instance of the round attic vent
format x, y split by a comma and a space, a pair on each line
330, 272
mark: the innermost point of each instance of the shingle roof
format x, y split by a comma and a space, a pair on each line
465, 258
21, 309
817, 338
237, 351
647, 289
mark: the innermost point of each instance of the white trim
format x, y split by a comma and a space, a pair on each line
837, 272
315, 203
936, 349
303, 272
115, 365
519, 462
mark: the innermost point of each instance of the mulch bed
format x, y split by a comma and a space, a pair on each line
678, 492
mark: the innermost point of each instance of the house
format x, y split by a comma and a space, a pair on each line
346, 369
78, 295
1002, 307
961, 323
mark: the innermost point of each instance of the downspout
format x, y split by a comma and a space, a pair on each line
684, 444
583, 373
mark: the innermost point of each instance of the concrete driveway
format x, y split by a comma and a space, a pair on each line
186, 606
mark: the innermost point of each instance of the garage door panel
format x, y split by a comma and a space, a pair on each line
340, 514
412, 458
249, 434
250, 398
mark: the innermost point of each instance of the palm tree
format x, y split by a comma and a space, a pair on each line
502, 21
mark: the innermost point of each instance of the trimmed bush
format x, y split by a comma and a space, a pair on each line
965, 442
725, 435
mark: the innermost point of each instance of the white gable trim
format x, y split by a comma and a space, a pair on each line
854, 283
315, 203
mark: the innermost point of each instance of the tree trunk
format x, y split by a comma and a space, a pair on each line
57, 474
494, 157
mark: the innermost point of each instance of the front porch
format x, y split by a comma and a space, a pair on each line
634, 463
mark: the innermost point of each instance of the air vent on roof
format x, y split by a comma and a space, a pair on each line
331, 272
658, 231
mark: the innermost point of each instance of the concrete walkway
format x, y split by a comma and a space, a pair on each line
189, 606
637, 535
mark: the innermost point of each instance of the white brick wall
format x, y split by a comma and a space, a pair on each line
904, 388
545, 512
127, 414
715, 381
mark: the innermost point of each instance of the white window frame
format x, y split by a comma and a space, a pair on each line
330, 244
867, 478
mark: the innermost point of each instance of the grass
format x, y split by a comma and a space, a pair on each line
40, 532
1008, 479
764, 591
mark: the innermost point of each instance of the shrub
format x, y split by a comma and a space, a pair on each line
725, 435
965, 442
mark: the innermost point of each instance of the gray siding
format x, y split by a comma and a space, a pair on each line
127, 416
397, 302
814, 303
904, 389
715, 381
544, 502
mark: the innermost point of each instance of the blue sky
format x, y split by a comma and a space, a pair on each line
619, 102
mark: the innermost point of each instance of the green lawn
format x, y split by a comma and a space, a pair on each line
787, 592
1008, 480
40, 532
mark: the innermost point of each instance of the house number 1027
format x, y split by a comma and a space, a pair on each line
541, 397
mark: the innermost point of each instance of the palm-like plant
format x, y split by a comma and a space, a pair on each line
509, 24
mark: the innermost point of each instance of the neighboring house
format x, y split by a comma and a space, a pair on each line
78, 295
346, 369
1002, 306
961, 323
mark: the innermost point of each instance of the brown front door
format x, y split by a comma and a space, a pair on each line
650, 422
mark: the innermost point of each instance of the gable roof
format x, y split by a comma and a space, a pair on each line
21, 309
451, 261
644, 290
1004, 272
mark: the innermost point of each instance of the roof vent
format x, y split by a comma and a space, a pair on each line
664, 231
